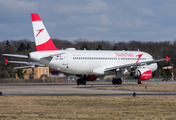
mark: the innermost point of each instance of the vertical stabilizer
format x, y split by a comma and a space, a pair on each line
42, 39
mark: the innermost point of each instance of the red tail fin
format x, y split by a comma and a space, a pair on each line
42, 39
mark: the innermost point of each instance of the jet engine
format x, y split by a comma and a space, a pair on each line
91, 77
141, 74
88, 77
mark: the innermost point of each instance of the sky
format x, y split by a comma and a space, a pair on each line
94, 20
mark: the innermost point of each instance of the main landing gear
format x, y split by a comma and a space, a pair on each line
117, 81
81, 80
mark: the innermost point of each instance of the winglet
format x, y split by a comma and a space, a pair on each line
167, 58
6, 61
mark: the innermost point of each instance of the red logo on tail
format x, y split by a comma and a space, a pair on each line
39, 31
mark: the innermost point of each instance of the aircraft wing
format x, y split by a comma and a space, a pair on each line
137, 64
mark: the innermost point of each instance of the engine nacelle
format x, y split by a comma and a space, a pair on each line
91, 77
141, 74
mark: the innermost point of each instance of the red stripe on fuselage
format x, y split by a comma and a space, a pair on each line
46, 46
35, 17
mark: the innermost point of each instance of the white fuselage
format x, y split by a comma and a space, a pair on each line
89, 61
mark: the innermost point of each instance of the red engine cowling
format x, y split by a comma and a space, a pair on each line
91, 77
142, 74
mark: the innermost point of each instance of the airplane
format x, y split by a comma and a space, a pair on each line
88, 64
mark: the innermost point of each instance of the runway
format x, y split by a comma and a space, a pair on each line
71, 89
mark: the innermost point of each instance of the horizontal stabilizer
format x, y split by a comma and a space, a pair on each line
14, 55
22, 67
31, 64
27, 63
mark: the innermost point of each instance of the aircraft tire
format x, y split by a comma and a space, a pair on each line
119, 81
114, 81
83, 81
78, 81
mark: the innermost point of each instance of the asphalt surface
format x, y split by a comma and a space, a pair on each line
71, 89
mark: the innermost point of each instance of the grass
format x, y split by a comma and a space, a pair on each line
145, 87
86, 108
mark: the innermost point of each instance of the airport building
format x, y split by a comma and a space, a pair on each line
35, 73
44, 73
